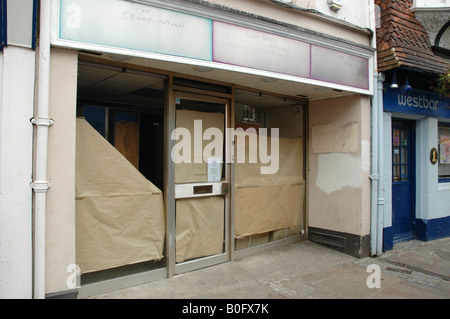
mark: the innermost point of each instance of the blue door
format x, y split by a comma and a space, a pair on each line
403, 180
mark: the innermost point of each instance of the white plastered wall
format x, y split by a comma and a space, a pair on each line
387, 169
432, 197
339, 164
60, 228
353, 11
17, 67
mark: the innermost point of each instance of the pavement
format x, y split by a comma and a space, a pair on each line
306, 270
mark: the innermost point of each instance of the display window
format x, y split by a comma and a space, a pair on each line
268, 207
444, 152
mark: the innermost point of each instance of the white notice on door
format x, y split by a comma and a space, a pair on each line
214, 171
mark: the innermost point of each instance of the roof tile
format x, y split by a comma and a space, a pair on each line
403, 41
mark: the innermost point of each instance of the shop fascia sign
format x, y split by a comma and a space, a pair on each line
417, 102
136, 29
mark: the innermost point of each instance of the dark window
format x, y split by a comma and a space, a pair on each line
400, 144
3, 40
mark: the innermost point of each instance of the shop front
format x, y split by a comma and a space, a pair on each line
190, 137
155, 201
416, 171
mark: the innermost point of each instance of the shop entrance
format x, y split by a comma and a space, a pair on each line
201, 181
168, 138
403, 180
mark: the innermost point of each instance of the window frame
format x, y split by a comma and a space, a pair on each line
447, 125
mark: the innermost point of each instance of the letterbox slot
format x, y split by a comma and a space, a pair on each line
203, 189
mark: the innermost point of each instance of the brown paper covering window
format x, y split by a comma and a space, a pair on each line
119, 213
199, 227
266, 203
196, 172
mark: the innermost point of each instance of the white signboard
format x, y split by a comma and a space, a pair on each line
338, 67
145, 30
127, 25
259, 50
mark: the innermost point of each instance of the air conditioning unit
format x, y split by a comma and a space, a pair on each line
335, 5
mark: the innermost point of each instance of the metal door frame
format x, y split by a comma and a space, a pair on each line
207, 96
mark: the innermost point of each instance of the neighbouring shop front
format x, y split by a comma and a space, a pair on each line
417, 170
191, 138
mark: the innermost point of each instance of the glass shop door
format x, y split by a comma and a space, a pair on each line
201, 181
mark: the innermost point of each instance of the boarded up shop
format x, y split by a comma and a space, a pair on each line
172, 133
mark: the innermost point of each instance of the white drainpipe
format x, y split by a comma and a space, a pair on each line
42, 122
377, 195
374, 173
377, 185
380, 193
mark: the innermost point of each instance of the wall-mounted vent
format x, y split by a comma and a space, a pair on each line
327, 239
354, 245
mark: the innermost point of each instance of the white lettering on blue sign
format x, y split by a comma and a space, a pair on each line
418, 101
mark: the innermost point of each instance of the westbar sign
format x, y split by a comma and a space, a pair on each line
417, 102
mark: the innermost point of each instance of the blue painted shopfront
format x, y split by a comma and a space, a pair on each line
410, 218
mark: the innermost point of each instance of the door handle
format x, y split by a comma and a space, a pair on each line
225, 188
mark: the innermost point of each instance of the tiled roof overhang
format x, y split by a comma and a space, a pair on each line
403, 42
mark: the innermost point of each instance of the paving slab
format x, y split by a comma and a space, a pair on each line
306, 270
431, 257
